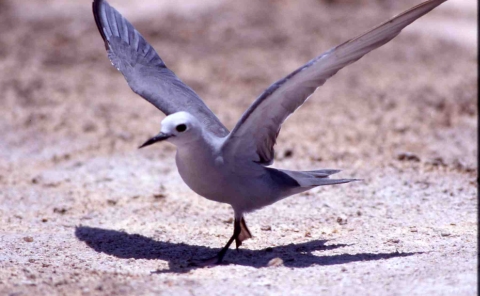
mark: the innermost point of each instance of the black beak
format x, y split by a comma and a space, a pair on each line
157, 138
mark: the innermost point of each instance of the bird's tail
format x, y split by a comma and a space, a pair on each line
310, 179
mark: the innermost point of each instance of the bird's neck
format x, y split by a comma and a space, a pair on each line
206, 144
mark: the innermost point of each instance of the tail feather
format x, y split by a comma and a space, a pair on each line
316, 177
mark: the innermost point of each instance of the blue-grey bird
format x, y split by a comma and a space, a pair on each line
232, 167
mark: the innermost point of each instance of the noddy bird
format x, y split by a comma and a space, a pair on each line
233, 166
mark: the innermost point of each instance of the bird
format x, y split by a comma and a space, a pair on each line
225, 166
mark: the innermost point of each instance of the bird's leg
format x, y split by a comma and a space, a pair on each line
244, 233
237, 229
240, 233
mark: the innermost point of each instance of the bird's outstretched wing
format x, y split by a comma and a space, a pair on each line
255, 134
145, 71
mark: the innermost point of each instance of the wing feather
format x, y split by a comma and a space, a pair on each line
255, 134
146, 73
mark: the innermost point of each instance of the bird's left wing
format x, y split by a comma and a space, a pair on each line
255, 134
146, 73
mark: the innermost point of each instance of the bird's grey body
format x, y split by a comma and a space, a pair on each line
233, 187
232, 167
200, 172
210, 172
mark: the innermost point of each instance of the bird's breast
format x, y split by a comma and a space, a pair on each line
203, 172
245, 186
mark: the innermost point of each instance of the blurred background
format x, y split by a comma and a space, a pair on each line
416, 94
403, 119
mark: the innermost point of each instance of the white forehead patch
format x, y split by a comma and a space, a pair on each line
172, 120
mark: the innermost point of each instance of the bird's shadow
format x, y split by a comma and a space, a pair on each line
124, 245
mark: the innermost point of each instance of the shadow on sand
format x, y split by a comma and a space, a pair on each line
124, 245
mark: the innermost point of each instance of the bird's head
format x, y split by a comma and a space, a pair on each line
178, 128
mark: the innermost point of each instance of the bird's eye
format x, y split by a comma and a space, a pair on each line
181, 128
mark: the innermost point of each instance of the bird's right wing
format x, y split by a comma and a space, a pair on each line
145, 71
255, 134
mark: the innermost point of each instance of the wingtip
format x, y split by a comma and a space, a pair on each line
96, 15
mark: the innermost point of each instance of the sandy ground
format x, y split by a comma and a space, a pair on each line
83, 212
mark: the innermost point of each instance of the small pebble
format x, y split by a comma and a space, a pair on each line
266, 228
445, 233
288, 153
342, 220
407, 156
28, 239
275, 262
60, 211
159, 196
438, 161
